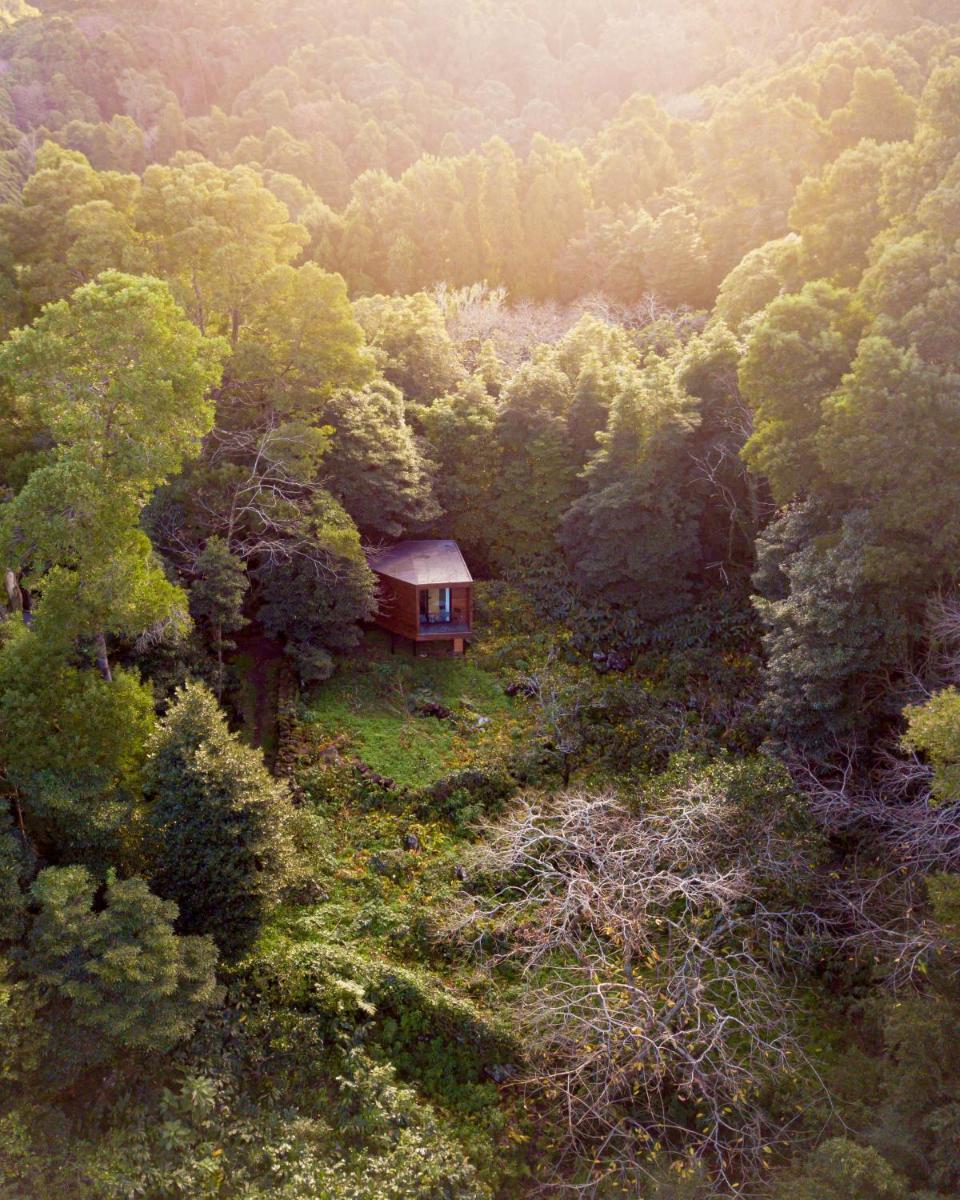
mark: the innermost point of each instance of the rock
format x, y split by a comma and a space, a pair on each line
608, 660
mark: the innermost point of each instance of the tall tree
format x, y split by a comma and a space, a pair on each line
633, 536
217, 823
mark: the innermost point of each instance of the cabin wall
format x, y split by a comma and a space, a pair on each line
398, 607
461, 602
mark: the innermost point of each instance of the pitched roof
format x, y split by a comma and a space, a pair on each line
422, 563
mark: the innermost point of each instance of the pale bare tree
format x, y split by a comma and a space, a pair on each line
660, 995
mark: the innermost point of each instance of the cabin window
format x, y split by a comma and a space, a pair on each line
435, 606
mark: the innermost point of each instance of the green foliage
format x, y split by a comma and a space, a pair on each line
315, 607
412, 343
794, 358
375, 468
633, 536
217, 596
218, 842
95, 982
259, 236
366, 701
14, 860
842, 1170
73, 745
118, 376
933, 729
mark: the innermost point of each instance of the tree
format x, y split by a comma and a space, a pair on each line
215, 235
933, 729
842, 1170
885, 445
217, 823
830, 626
794, 359
73, 223
375, 467
460, 431
761, 276
878, 109
412, 343
72, 744
535, 482
217, 595
119, 379
633, 535
647, 926
838, 215
101, 981
314, 610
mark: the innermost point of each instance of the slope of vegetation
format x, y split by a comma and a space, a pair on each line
653, 309
410, 719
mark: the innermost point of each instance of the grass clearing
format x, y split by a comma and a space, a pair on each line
369, 701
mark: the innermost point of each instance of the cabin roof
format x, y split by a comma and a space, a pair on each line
422, 563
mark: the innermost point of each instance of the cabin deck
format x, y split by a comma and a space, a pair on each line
442, 629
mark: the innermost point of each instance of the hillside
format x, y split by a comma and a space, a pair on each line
651, 308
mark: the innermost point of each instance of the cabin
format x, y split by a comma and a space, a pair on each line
425, 593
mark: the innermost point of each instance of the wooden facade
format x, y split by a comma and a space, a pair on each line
425, 592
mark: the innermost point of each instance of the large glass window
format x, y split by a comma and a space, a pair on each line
435, 606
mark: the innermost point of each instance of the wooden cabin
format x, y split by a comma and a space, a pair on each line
425, 593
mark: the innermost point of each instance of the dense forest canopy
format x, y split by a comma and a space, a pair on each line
652, 307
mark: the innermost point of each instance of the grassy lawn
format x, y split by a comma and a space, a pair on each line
370, 701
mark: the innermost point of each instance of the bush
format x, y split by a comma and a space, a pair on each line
842, 1170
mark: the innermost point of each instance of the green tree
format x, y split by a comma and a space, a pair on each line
842, 1170
217, 823
460, 430
411, 341
106, 980
794, 359
536, 478
214, 235
375, 467
878, 109
838, 215
217, 595
933, 729
119, 379
633, 536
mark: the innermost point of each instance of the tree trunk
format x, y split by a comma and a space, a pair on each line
219, 660
14, 594
103, 662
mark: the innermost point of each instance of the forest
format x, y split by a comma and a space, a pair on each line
652, 308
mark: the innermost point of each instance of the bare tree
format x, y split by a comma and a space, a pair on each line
660, 1007
257, 489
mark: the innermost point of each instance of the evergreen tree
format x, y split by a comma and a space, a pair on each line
217, 824
217, 595
375, 467
633, 536
102, 981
